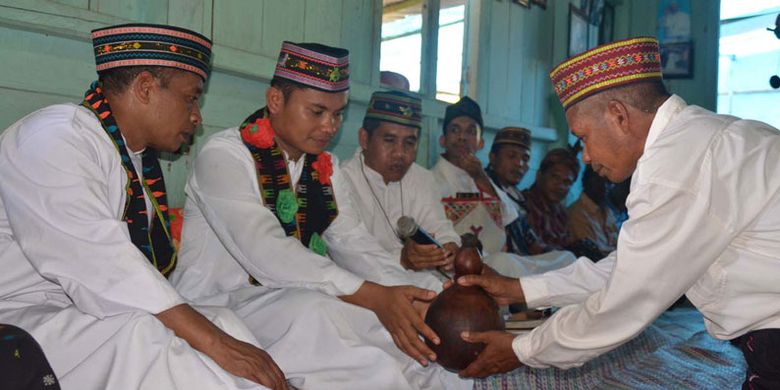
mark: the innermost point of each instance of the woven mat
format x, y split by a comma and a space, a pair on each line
675, 352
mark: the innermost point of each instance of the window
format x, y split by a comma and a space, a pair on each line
409, 41
749, 56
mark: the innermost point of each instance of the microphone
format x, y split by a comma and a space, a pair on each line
408, 228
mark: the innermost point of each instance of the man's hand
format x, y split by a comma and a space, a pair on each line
247, 361
503, 289
497, 357
234, 356
419, 257
395, 310
471, 164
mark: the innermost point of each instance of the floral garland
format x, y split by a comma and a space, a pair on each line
299, 212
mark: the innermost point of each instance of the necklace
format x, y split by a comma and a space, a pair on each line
376, 198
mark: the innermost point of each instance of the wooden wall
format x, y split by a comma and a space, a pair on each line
46, 58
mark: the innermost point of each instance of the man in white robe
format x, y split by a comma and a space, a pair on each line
704, 207
252, 241
386, 184
74, 275
458, 170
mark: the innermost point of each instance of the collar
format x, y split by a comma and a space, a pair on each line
671, 107
452, 167
373, 176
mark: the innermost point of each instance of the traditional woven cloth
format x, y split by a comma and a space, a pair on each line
607, 66
151, 45
513, 136
153, 240
674, 353
314, 65
395, 107
304, 212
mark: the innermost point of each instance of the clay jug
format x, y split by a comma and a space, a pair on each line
459, 309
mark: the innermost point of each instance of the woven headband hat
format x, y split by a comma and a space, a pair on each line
314, 65
140, 44
513, 136
607, 66
395, 107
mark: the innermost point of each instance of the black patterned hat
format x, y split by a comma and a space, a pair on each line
140, 44
314, 65
519, 136
396, 107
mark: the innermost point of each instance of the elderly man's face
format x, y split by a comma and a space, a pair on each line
390, 149
609, 149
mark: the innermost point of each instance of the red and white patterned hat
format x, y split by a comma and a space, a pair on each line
607, 66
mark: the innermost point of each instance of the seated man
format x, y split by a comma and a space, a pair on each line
544, 199
509, 156
590, 217
269, 230
84, 240
387, 183
459, 171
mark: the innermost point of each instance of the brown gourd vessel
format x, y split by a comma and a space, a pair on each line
459, 309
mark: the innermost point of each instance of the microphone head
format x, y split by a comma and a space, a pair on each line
406, 226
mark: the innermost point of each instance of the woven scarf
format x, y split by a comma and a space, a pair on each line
155, 240
305, 212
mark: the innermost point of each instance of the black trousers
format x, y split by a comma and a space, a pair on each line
762, 354
22, 363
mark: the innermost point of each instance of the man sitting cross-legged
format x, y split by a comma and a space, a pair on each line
269, 230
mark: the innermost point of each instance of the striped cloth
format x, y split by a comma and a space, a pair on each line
675, 352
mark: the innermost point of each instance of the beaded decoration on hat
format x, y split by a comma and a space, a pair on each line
140, 44
396, 107
314, 65
607, 66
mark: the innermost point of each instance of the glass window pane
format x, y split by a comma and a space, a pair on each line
449, 67
402, 41
748, 58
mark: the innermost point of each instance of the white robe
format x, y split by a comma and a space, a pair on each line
705, 217
71, 275
421, 201
229, 234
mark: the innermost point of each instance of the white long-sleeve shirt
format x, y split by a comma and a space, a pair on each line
62, 195
704, 221
229, 234
380, 204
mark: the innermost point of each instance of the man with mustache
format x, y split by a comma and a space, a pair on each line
544, 199
85, 242
269, 230
388, 184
